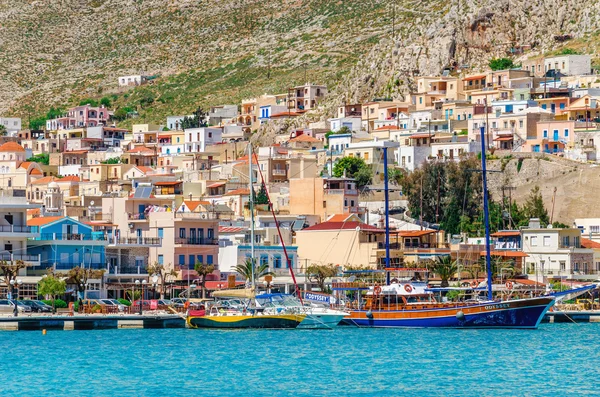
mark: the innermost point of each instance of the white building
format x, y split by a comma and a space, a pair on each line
131, 80
196, 139
339, 142
352, 123
590, 227
555, 252
174, 122
569, 64
12, 124
411, 157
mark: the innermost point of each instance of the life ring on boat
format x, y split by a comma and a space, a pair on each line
509, 285
408, 288
394, 281
377, 290
474, 284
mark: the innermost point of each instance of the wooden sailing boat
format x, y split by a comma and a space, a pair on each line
405, 305
251, 316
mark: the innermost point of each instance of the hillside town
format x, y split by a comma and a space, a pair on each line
124, 202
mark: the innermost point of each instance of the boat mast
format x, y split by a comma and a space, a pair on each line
486, 215
251, 206
387, 216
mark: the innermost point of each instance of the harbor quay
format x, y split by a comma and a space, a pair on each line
90, 322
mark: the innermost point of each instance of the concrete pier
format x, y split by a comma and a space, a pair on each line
584, 316
91, 322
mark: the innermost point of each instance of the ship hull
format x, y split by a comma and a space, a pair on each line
523, 313
246, 321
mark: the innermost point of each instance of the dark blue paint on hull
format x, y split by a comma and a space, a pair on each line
524, 317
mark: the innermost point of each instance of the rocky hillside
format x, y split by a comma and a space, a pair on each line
55, 53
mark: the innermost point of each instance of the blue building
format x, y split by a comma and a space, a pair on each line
64, 243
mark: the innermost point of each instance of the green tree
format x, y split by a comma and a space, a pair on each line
199, 119
112, 160
501, 63
38, 123
105, 102
3, 131
120, 114
534, 208
245, 270
261, 197
52, 286
395, 176
445, 268
80, 276
10, 270
162, 273
320, 273
203, 270
42, 158
88, 101
363, 177
351, 165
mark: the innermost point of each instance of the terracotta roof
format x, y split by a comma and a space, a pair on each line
25, 164
304, 138
587, 243
141, 149
45, 180
11, 147
415, 233
232, 229
43, 220
418, 136
342, 226
477, 77
339, 217
217, 184
238, 192
144, 169
70, 178
504, 138
387, 127
33, 211
192, 205
244, 159
506, 233
35, 171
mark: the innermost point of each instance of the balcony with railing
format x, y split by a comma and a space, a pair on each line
141, 216
30, 259
94, 238
86, 265
135, 242
197, 215
347, 192
15, 229
278, 172
195, 241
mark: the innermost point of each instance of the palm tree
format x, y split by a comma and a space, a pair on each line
245, 270
162, 274
203, 270
445, 268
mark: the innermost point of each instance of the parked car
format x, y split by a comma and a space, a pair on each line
178, 302
113, 302
145, 305
164, 302
37, 306
8, 306
26, 308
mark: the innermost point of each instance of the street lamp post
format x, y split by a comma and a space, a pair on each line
155, 283
137, 283
144, 282
15, 285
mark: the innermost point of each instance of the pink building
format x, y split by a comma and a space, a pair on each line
80, 116
551, 137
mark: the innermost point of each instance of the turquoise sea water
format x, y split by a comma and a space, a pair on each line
555, 360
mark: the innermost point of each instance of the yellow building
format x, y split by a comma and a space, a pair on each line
323, 196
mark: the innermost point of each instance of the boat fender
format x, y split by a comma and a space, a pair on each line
408, 288
369, 314
460, 315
